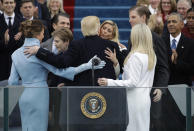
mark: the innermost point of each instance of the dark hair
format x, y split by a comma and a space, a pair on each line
55, 19
26, 1
141, 10
190, 10
31, 28
64, 34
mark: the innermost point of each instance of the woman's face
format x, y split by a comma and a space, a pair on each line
106, 31
166, 6
54, 5
190, 19
60, 44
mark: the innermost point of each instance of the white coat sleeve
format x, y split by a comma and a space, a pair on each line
132, 73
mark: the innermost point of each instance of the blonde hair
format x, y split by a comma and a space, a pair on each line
90, 25
115, 34
156, 24
141, 39
142, 2
61, 7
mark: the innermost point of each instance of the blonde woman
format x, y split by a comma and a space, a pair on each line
55, 7
139, 68
109, 31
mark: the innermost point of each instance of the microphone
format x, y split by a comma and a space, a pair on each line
96, 61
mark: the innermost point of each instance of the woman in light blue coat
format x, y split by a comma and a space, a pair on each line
34, 101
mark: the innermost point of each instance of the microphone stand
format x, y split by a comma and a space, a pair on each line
93, 74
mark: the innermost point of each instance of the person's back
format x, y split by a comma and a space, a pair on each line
31, 65
88, 47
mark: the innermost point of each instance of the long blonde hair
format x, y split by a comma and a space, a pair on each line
141, 40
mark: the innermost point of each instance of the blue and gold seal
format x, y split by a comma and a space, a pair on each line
93, 105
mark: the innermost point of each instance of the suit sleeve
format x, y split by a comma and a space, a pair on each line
161, 71
51, 58
63, 60
186, 65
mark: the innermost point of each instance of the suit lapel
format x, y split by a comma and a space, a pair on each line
4, 24
180, 47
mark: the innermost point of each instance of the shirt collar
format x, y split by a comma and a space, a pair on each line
6, 16
30, 18
152, 10
177, 38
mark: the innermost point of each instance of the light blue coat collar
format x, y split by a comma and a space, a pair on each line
31, 42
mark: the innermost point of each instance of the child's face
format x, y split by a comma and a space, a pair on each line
60, 44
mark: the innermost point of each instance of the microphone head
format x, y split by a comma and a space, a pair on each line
96, 61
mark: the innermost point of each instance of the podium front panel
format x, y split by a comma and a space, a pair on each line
109, 111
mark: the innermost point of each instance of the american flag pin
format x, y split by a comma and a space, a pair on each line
182, 47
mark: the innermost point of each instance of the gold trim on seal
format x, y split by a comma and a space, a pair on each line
84, 105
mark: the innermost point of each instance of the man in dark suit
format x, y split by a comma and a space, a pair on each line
181, 65
59, 21
27, 10
9, 24
141, 14
181, 54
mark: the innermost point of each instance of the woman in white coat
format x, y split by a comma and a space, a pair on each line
138, 76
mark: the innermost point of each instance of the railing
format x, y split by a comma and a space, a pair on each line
183, 96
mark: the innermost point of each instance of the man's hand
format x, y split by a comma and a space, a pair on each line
31, 50
6, 36
18, 36
157, 95
174, 56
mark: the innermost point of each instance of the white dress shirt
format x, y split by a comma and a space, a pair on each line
7, 18
152, 10
176, 38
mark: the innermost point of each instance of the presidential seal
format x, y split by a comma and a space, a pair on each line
93, 105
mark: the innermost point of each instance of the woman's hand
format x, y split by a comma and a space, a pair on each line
31, 50
102, 81
111, 56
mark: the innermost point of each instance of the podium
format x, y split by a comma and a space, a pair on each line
95, 109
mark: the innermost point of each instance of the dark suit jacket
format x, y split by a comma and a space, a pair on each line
7, 50
81, 51
181, 72
161, 71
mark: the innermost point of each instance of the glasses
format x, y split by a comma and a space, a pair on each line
166, 3
190, 17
